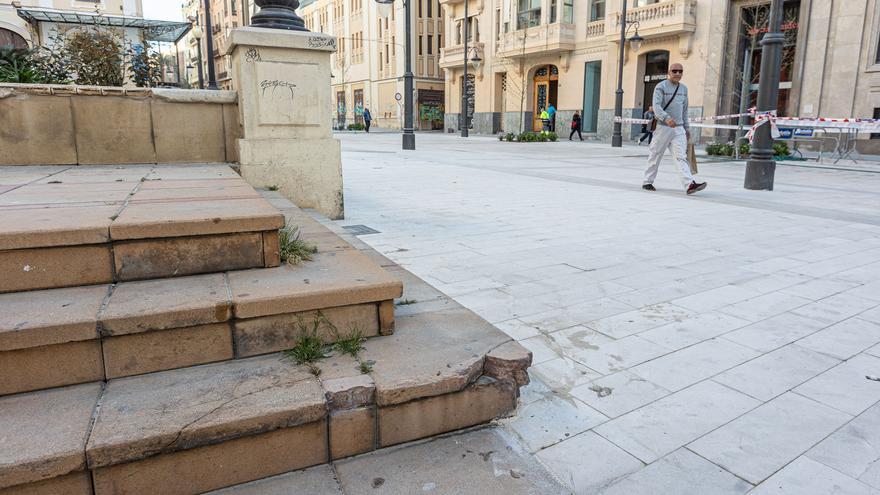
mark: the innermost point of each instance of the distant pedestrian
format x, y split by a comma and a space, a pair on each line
545, 121
647, 129
673, 131
552, 111
367, 119
576, 122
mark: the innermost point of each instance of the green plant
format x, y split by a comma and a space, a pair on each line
713, 149
744, 149
552, 136
356, 127
404, 302
780, 148
144, 66
293, 249
351, 345
17, 66
273, 187
727, 149
95, 56
510, 137
309, 346
366, 367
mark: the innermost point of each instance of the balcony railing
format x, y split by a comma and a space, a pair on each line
547, 38
596, 29
663, 18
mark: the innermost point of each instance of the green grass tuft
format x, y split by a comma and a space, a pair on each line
366, 367
293, 249
351, 345
273, 187
404, 302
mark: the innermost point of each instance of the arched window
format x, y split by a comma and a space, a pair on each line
8, 37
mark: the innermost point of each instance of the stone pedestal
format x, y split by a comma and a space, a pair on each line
283, 83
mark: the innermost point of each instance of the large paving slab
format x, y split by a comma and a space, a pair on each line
44, 434
182, 409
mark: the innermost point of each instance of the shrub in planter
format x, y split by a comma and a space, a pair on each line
713, 149
780, 148
356, 127
510, 137
744, 149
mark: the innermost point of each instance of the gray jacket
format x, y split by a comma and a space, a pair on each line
677, 109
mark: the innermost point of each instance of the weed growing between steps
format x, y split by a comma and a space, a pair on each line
310, 346
404, 302
273, 187
351, 345
293, 249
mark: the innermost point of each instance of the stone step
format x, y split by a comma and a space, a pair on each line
74, 226
56, 337
202, 428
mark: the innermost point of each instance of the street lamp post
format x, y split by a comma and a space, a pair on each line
465, 84
760, 168
635, 41
409, 138
197, 34
212, 77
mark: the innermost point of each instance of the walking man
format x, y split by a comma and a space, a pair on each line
367, 119
551, 110
673, 131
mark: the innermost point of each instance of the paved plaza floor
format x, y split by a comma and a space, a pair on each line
712, 344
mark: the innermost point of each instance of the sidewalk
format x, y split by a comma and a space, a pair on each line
705, 344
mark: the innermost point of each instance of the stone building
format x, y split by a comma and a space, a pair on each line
368, 67
226, 15
565, 52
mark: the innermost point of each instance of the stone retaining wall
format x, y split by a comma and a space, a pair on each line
68, 125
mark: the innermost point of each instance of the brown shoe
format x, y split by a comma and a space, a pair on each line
694, 187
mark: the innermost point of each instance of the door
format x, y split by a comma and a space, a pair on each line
542, 94
592, 81
656, 69
546, 83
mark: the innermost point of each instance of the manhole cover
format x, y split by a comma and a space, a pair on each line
360, 229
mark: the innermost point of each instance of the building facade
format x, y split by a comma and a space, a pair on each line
226, 15
368, 67
565, 52
17, 31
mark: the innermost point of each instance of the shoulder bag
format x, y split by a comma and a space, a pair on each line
653, 125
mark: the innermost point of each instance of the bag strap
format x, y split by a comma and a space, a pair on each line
673, 97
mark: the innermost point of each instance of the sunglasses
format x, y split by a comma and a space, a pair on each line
676, 71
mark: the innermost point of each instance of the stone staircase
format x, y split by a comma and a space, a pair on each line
142, 314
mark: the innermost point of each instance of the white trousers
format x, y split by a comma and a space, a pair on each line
675, 139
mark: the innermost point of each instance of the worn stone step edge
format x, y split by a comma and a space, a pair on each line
123, 451
44, 268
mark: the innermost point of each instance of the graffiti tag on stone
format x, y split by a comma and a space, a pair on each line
322, 42
275, 84
252, 55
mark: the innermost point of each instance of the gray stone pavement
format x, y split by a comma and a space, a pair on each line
712, 344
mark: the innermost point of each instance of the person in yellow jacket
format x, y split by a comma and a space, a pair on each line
545, 121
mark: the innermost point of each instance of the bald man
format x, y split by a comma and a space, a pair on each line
673, 131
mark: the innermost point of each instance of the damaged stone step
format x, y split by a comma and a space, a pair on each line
74, 226
202, 428
59, 337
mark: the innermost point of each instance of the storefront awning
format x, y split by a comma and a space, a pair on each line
154, 30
